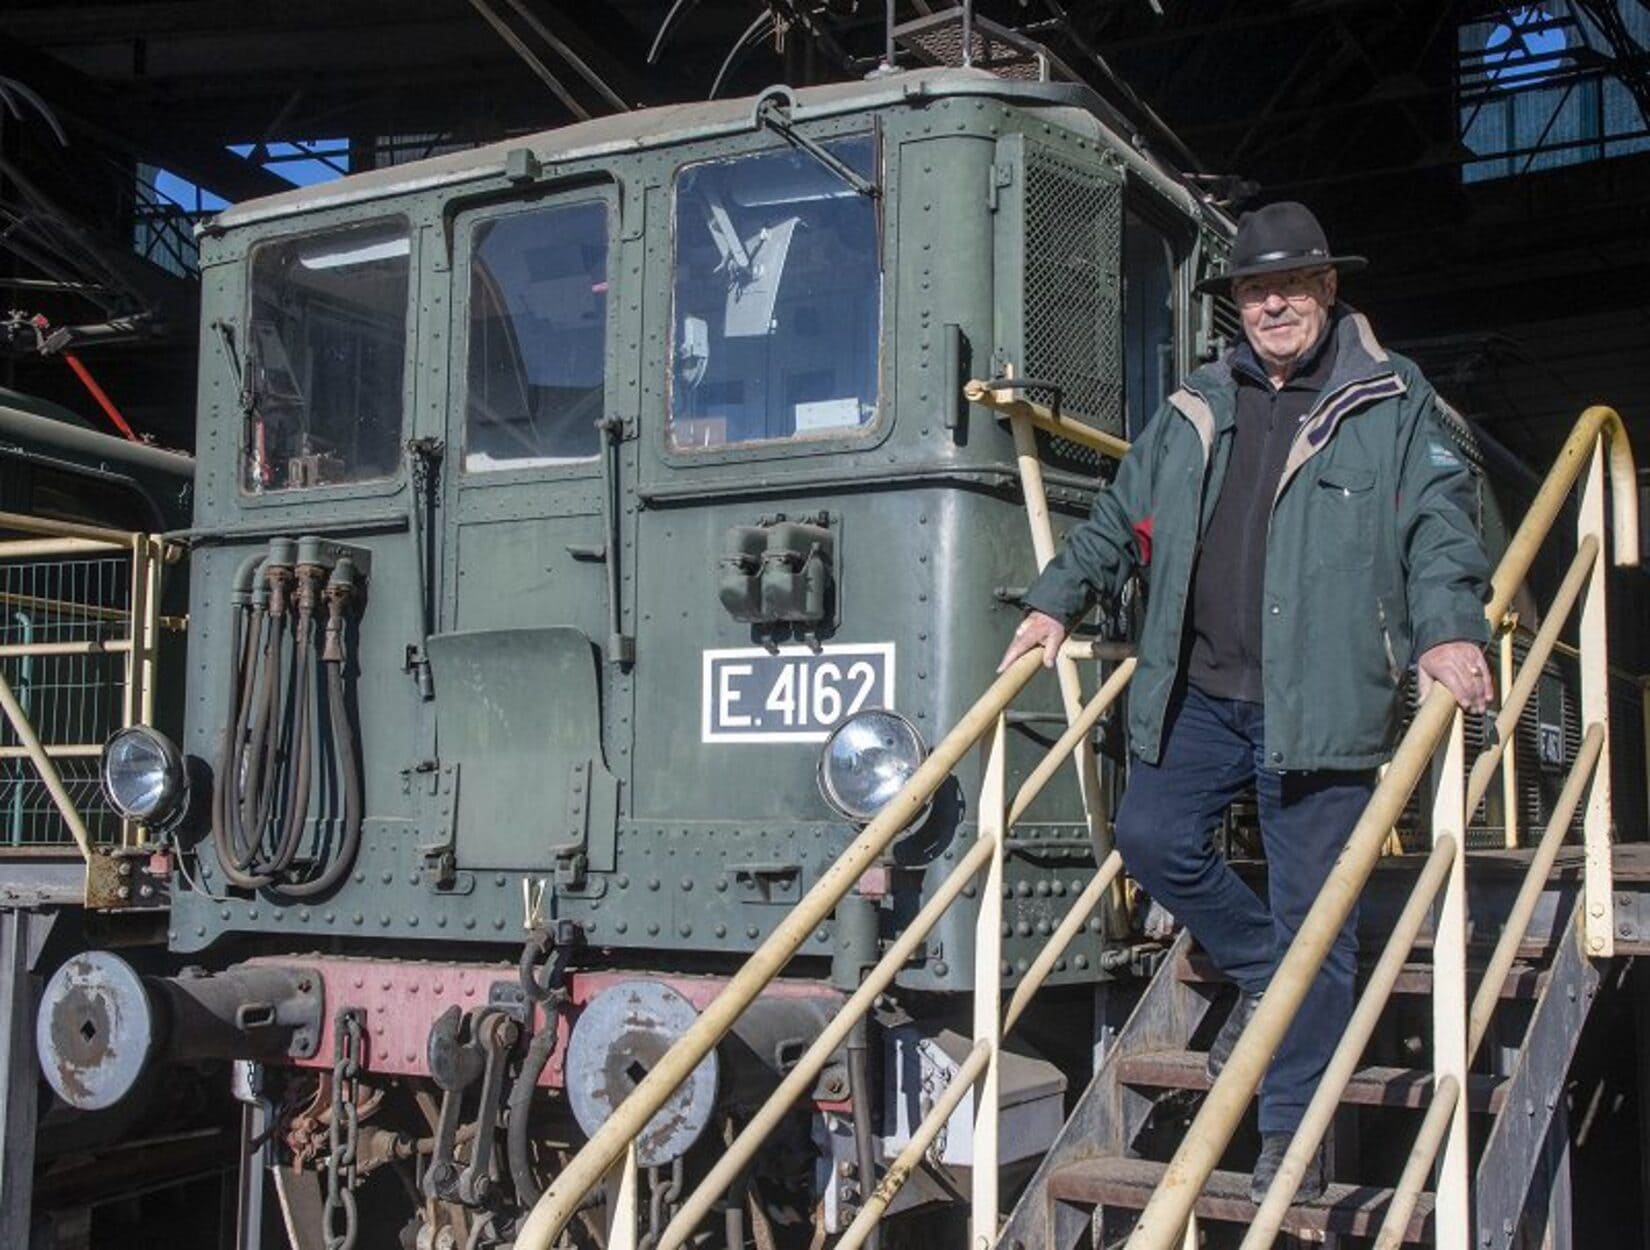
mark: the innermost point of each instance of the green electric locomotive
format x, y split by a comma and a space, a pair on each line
590, 533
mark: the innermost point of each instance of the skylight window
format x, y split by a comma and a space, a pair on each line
302, 162
1547, 85
168, 204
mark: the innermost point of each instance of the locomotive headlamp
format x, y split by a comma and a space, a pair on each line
867, 760
143, 775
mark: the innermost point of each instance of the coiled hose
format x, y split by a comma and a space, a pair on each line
254, 794
340, 590
247, 624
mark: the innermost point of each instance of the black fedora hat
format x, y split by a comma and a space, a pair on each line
1278, 237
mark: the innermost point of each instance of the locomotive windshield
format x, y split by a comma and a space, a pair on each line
327, 351
778, 299
538, 337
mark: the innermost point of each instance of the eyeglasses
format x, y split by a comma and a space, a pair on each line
1295, 285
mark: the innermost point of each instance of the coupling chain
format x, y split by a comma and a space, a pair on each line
343, 1132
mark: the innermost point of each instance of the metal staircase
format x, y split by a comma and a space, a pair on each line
1110, 1157
1501, 947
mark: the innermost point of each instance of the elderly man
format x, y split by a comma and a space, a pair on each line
1304, 526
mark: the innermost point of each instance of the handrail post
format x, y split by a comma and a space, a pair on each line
1599, 915
621, 1232
137, 613
988, 1019
1509, 747
1449, 988
1065, 667
155, 566
138, 662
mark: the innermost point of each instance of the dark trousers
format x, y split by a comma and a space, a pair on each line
1212, 751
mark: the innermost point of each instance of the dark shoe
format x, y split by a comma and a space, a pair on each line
1273, 1146
1220, 1050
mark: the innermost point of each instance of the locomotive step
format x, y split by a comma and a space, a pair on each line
1127, 1184
1524, 981
1369, 1087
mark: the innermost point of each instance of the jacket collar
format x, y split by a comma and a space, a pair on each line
1362, 373
1359, 358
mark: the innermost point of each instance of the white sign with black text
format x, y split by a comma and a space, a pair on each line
792, 693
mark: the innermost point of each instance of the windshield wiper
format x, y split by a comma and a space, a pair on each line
243, 372
772, 115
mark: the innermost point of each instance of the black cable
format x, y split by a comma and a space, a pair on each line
233, 857
349, 837
520, 1107
245, 846
859, 1091
256, 792
300, 752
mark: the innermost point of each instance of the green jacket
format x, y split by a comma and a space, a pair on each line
1372, 552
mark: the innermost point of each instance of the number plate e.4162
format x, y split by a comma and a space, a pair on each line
794, 694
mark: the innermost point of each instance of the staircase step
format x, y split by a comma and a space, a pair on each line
1127, 1184
1369, 1087
1524, 981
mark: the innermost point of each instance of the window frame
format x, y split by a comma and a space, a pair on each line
1181, 234
371, 487
603, 191
860, 437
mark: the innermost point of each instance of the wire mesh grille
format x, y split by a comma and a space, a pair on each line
1073, 314
69, 699
1062, 453
939, 41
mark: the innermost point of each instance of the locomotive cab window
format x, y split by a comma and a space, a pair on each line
327, 351
538, 337
777, 302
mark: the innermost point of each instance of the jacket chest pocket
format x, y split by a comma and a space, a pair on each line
1345, 519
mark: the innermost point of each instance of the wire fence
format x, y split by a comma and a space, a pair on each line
74, 701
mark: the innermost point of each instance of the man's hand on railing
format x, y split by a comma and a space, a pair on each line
1039, 629
1460, 666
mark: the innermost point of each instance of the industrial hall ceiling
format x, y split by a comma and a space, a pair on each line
1492, 161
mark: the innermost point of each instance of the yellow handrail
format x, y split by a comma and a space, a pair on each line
1446, 1104
1529, 673
1596, 423
606, 1147
568, 1190
1441, 1113
42, 760
50, 527
1320, 1112
800, 1078
1165, 1216
1529, 893
148, 556
1046, 419
1161, 1223
733, 1160
610, 1144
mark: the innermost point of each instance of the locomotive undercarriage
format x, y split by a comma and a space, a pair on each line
426, 1105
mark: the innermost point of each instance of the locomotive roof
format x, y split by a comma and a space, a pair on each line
677, 123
